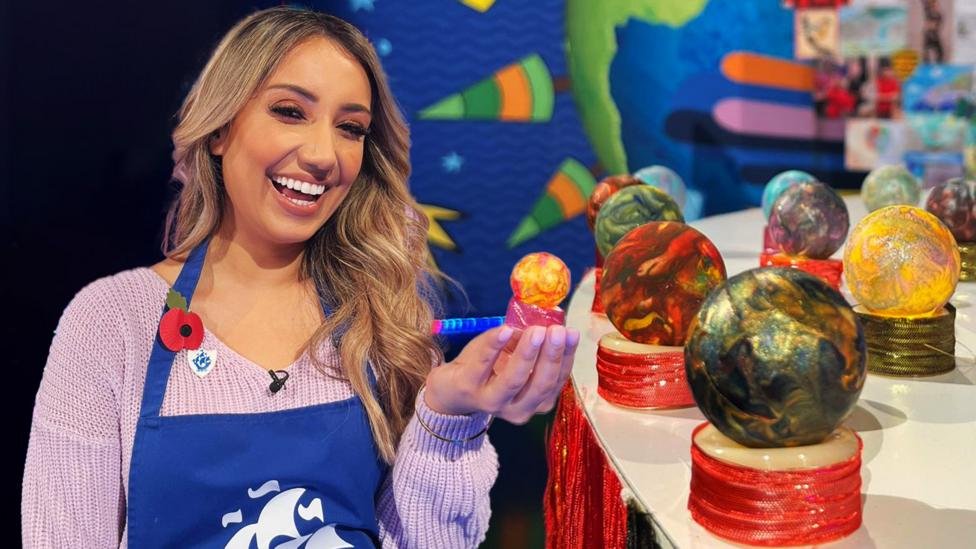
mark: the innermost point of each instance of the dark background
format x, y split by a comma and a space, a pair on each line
88, 93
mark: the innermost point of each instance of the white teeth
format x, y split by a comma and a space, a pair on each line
300, 202
300, 186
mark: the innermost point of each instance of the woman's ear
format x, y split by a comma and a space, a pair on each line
218, 141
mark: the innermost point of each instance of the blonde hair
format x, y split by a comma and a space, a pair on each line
370, 260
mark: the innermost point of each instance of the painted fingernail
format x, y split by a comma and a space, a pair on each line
505, 334
557, 337
572, 337
538, 336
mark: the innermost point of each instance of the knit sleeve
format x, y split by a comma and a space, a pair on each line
437, 492
72, 487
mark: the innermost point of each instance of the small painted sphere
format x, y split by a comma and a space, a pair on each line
667, 180
779, 183
809, 219
890, 186
602, 192
540, 279
655, 279
629, 208
901, 261
954, 203
775, 357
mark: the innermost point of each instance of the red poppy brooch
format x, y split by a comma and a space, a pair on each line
180, 329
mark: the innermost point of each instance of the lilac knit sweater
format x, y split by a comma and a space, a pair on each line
76, 477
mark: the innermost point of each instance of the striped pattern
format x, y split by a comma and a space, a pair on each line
565, 197
520, 92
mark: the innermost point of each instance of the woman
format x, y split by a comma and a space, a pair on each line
295, 249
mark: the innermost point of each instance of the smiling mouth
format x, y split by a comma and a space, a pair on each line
301, 193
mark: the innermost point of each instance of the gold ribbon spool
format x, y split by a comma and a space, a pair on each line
967, 253
910, 347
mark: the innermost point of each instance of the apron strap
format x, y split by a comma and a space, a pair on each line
161, 359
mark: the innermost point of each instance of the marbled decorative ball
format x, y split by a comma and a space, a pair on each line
629, 208
809, 219
667, 180
779, 183
540, 279
901, 261
656, 278
602, 192
954, 203
776, 357
889, 186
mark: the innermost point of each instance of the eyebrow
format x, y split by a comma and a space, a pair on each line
348, 107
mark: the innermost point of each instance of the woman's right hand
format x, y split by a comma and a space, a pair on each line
507, 373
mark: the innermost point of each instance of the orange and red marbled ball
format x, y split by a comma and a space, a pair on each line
603, 190
656, 278
540, 279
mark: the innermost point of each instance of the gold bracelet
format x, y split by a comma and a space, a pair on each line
455, 441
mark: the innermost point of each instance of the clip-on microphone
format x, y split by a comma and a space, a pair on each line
277, 383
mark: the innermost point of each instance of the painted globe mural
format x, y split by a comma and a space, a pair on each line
775, 358
661, 81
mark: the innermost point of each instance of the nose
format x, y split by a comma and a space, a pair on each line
317, 155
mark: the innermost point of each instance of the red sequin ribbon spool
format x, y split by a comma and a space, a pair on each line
637, 380
828, 270
775, 508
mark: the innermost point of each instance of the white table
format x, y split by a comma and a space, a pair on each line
919, 473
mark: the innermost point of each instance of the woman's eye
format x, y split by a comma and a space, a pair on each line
286, 111
355, 131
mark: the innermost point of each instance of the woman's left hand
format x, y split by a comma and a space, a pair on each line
507, 373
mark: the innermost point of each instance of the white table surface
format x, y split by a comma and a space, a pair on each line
919, 472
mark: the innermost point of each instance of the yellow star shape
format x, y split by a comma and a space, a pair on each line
436, 234
479, 5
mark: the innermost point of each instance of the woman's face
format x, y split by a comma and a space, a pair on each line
292, 153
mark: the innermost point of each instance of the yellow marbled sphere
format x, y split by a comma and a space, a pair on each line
540, 279
901, 261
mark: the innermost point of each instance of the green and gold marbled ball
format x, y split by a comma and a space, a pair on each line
629, 208
775, 357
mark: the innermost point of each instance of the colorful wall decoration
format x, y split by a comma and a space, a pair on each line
517, 109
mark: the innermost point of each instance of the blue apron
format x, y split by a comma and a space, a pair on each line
305, 477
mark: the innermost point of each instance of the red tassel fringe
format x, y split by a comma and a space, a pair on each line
582, 504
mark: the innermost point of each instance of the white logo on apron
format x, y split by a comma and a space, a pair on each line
277, 518
201, 361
